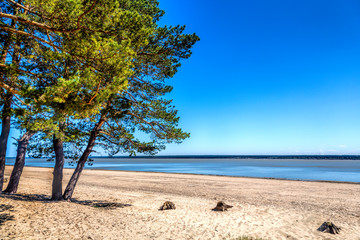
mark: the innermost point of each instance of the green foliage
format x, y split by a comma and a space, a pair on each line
83, 62
148, 110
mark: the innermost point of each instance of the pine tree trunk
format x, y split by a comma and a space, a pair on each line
58, 170
6, 45
8, 98
81, 163
6, 112
5, 130
19, 163
76, 175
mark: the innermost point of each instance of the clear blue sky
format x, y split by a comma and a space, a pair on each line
268, 77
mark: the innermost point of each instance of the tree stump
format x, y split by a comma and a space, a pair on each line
221, 206
167, 206
329, 227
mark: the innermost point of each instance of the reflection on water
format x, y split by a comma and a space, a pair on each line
328, 170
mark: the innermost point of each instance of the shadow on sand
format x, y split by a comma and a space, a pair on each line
47, 199
101, 204
27, 197
6, 216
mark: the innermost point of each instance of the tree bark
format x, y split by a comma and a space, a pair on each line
58, 170
8, 98
81, 163
6, 45
19, 163
6, 117
5, 130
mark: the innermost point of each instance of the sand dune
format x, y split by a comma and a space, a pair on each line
268, 209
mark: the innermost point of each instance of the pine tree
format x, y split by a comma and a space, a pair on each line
78, 54
142, 107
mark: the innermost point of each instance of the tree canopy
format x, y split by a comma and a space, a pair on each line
80, 73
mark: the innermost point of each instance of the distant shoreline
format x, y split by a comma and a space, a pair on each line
298, 157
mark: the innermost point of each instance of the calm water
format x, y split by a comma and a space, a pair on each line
330, 170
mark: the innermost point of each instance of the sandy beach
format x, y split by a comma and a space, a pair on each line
263, 208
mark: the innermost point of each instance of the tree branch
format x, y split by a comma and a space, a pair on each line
27, 9
29, 35
84, 13
19, 70
20, 19
8, 88
96, 93
149, 123
44, 26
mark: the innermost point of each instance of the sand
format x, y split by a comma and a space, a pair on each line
263, 208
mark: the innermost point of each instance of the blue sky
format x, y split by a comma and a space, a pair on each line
268, 77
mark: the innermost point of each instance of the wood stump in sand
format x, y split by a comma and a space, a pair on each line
221, 206
329, 227
167, 206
